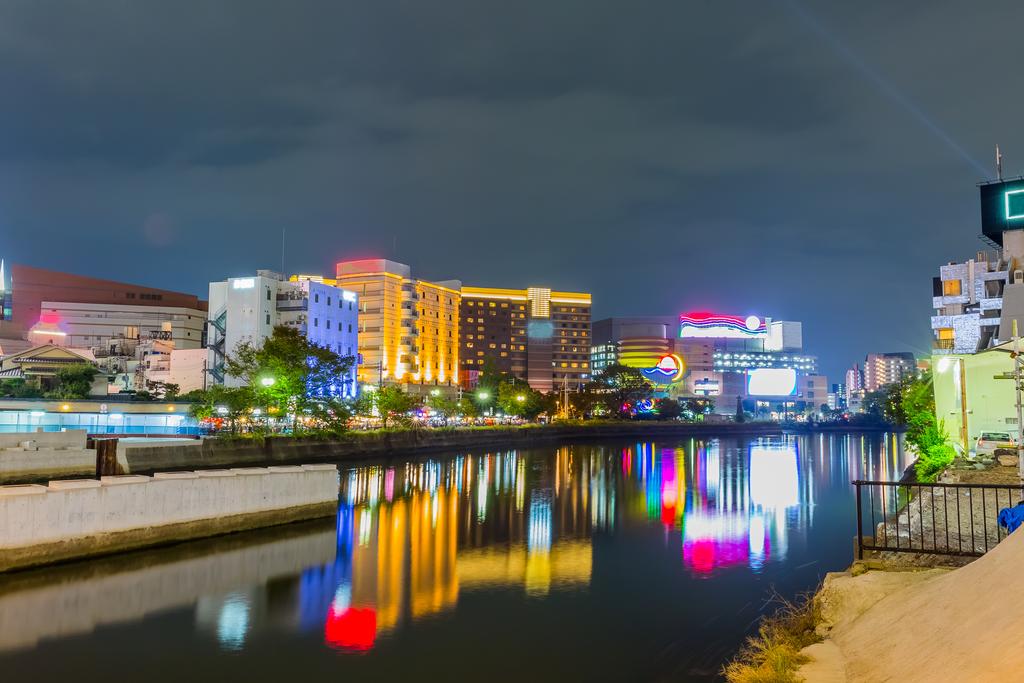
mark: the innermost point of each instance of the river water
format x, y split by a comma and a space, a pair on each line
590, 562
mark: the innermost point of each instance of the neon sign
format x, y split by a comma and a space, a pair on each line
1017, 209
669, 369
714, 326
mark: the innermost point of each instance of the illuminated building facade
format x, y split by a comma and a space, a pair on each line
408, 328
976, 301
715, 355
247, 309
30, 287
535, 334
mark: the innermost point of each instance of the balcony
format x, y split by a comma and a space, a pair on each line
291, 302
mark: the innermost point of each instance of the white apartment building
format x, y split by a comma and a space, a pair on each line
249, 308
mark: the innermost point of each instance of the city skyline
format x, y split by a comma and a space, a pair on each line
406, 135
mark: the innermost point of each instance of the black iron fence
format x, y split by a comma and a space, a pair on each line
937, 519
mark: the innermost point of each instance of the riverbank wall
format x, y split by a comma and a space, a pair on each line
72, 519
237, 452
45, 455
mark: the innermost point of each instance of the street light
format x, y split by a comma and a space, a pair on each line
267, 381
520, 398
435, 392
483, 395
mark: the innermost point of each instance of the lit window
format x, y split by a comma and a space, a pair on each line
951, 288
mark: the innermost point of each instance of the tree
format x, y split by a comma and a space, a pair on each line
741, 416
669, 409
621, 388
468, 408
444, 406
221, 402
393, 404
19, 388
692, 407
583, 403
517, 398
73, 381
291, 374
168, 391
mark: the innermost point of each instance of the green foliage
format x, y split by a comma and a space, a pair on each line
393, 405
517, 398
931, 462
289, 374
669, 409
227, 403
619, 388
19, 388
444, 406
467, 407
73, 381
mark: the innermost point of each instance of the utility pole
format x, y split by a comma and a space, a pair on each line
1016, 384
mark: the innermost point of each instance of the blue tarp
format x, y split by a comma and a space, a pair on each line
1011, 518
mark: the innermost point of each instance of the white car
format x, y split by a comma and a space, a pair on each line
988, 442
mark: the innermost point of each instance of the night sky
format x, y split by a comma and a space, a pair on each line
801, 160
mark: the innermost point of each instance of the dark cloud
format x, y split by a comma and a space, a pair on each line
806, 160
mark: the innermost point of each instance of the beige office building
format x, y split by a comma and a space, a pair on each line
408, 328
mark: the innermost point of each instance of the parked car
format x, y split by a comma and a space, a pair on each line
988, 442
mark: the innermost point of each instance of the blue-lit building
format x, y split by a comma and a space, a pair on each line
249, 308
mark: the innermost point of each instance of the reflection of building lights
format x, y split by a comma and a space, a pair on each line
773, 476
539, 534
233, 621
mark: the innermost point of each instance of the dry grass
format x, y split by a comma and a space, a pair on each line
773, 655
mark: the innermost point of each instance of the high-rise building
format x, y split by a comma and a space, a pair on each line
977, 301
247, 309
408, 328
882, 369
535, 334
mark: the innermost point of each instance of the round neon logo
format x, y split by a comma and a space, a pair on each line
669, 369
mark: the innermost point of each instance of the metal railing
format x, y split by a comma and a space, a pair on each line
934, 519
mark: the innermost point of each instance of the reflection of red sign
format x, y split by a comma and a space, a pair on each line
352, 629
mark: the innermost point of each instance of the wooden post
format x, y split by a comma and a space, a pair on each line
106, 457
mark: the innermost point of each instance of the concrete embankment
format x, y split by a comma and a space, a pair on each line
406, 443
79, 518
934, 625
45, 454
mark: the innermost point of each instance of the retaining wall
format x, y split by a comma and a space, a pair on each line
78, 518
214, 452
34, 455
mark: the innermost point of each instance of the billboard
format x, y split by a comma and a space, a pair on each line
771, 382
1002, 208
670, 368
717, 326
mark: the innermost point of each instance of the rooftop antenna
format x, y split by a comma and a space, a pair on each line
999, 163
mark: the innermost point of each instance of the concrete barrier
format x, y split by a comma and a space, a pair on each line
37, 455
79, 518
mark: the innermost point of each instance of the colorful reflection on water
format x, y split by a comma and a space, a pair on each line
647, 548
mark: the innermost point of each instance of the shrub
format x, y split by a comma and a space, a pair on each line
773, 655
932, 461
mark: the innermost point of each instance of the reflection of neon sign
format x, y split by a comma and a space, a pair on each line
351, 629
714, 326
670, 368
